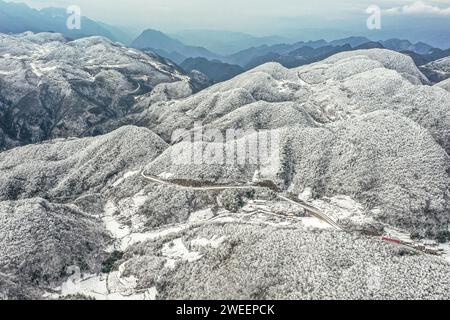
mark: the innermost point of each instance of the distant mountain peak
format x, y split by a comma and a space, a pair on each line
173, 49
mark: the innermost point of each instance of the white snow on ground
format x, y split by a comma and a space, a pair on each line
133, 51
151, 294
113, 286
109, 66
176, 250
346, 202
129, 207
446, 250
48, 69
398, 234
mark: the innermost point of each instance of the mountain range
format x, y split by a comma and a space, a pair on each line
219, 165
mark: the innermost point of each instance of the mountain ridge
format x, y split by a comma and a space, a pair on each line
19, 18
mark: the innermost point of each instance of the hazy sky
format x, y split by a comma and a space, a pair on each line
241, 15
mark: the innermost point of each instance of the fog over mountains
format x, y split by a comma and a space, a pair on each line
159, 169
18, 17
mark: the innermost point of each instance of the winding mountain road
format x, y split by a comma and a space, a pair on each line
312, 211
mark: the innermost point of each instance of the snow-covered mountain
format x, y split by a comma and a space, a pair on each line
361, 138
51, 87
169, 48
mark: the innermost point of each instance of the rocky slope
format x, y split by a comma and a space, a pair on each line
51, 87
67, 169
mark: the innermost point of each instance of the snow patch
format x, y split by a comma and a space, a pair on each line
36, 70
165, 175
